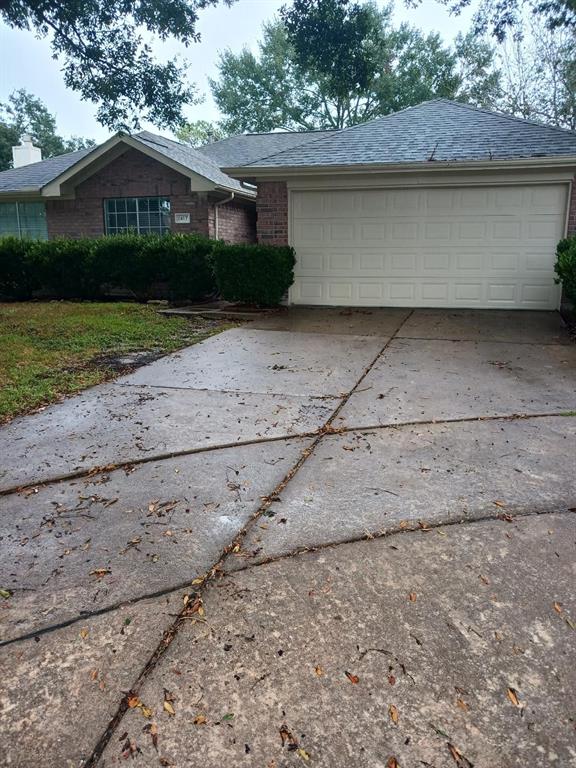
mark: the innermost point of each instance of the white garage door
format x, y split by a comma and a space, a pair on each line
437, 247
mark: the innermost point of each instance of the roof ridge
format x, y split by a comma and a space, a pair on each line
338, 131
274, 154
507, 116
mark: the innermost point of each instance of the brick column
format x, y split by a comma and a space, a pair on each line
272, 213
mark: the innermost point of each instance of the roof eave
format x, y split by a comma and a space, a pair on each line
54, 187
263, 172
27, 192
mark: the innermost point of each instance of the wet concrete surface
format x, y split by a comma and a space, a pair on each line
427, 380
447, 648
364, 483
278, 362
522, 327
439, 623
60, 690
87, 544
111, 424
367, 321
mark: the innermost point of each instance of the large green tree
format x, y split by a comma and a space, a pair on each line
199, 133
539, 75
502, 17
25, 113
105, 57
333, 63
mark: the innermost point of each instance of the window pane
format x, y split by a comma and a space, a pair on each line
8, 219
144, 215
24, 220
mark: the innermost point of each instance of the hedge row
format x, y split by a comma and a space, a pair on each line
164, 266
565, 266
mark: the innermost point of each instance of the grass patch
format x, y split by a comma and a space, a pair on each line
52, 349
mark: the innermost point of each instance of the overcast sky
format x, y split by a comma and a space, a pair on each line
26, 62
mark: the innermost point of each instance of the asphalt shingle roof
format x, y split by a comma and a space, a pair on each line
248, 147
190, 158
439, 130
30, 178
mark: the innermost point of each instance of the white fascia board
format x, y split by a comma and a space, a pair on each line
261, 173
198, 183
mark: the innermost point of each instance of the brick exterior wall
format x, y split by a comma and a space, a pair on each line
134, 174
272, 213
572, 211
236, 222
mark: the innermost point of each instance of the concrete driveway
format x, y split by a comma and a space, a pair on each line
335, 537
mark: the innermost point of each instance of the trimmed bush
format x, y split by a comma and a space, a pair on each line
167, 266
66, 268
181, 261
19, 275
253, 274
565, 266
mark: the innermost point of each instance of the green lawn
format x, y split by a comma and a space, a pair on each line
51, 349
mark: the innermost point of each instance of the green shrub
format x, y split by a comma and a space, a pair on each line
565, 266
253, 274
66, 268
120, 262
19, 275
181, 261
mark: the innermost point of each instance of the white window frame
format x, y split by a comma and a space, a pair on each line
147, 230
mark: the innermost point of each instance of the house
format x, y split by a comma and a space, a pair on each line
143, 182
439, 205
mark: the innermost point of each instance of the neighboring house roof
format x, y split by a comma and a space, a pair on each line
35, 177
248, 147
438, 130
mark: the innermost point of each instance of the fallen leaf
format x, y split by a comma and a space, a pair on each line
100, 572
393, 712
319, 671
152, 729
146, 711
483, 579
286, 736
169, 708
303, 754
391, 679
228, 716
513, 696
458, 757
462, 704
200, 720
392, 763
84, 633
557, 607
499, 503
134, 701
412, 597
570, 623
5, 593
353, 678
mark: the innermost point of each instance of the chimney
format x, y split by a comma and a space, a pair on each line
26, 153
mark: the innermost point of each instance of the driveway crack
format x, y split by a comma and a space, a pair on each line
234, 546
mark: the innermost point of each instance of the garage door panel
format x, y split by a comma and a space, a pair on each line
477, 247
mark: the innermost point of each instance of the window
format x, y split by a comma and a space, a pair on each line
23, 220
144, 215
